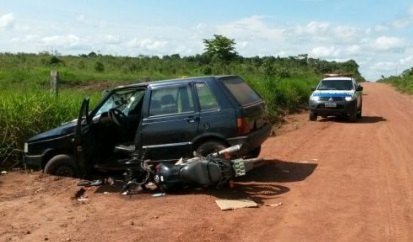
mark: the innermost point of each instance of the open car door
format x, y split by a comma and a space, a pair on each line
82, 136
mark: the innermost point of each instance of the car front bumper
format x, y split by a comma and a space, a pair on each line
325, 108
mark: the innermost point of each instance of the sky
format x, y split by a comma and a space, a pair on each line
378, 34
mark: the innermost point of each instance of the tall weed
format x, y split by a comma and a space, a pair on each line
23, 114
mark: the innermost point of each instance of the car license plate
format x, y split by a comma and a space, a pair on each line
331, 105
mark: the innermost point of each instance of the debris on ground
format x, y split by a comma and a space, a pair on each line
275, 204
80, 193
226, 204
159, 194
87, 183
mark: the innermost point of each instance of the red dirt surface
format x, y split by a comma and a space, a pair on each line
329, 180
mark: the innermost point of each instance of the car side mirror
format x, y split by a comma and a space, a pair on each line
359, 88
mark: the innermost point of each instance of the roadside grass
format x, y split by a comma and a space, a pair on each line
403, 84
25, 113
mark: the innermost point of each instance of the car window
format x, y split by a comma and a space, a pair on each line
207, 100
171, 100
243, 93
335, 85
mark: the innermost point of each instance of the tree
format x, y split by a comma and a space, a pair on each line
220, 47
99, 67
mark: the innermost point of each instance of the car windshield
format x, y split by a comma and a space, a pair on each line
124, 100
335, 85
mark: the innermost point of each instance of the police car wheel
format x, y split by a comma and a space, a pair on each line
312, 116
353, 116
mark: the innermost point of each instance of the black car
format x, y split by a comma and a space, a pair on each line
164, 119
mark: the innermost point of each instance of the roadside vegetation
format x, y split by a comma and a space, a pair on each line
27, 106
403, 82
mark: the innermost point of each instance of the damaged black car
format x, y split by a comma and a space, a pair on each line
166, 119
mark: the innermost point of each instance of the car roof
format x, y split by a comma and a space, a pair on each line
338, 78
161, 82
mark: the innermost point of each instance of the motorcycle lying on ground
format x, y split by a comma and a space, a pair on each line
215, 169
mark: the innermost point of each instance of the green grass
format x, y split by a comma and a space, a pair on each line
403, 84
25, 113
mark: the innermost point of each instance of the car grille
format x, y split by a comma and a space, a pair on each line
334, 98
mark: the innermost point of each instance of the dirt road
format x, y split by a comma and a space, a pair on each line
329, 180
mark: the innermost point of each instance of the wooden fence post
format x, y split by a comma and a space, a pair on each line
54, 82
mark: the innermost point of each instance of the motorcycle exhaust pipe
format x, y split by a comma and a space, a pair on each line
228, 150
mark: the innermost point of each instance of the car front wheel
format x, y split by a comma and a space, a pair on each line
61, 165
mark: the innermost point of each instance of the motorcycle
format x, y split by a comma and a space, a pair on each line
215, 169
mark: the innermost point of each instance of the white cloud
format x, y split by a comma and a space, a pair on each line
407, 60
353, 49
325, 51
25, 39
147, 44
388, 43
316, 28
7, 21
64, 41
81, 18
384, 66
345, 32
252, 27
111, 39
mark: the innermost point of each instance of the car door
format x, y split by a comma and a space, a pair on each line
217, 116
170, 122
83, 140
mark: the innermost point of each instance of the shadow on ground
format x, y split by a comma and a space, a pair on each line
363, 120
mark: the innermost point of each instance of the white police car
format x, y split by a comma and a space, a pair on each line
336, 95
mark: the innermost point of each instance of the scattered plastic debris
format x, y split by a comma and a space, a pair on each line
3, 172
159, 194
87, 183
225, 204
82, 199
275, 204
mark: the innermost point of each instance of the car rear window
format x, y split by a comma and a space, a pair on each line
243, 93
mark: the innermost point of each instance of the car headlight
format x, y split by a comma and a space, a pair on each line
315, 98
348, 98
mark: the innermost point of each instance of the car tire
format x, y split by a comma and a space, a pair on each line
209, 147
353, 116
61, 165
359, 113
312, 116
